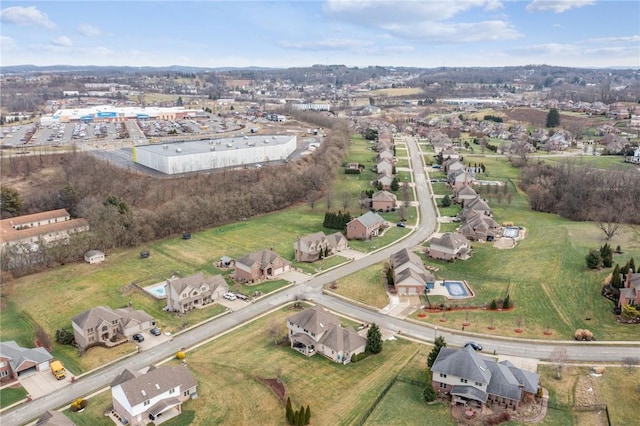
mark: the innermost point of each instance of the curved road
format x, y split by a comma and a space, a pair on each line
312, 290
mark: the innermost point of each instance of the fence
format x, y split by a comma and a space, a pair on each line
384, 392
582, 408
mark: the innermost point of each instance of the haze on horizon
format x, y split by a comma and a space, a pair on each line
282, 34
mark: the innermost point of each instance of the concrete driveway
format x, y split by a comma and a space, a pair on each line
151, 341
43, 383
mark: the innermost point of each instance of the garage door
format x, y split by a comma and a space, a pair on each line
27, 372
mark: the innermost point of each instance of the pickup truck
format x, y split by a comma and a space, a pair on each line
58, 370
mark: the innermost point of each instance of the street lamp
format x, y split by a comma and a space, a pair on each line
435, 333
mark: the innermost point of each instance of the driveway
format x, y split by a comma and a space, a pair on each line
352, 254
43, 383
151, 341
295, 277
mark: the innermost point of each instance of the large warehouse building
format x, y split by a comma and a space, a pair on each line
185, 157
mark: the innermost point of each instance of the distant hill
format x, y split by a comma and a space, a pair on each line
28, 69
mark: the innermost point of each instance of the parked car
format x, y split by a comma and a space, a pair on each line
475, 346
242, 296
401, 225
155, 331
230, 296
137, 337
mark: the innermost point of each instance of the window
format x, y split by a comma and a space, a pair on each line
3, 364
114, 322
186, 393
105, 329
147, 402
479, 384
4, 373
463, 380
443, 375
172, 390
90, 330
443, 385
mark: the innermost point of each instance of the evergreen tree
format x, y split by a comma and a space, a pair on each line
616, 279
307, 415
10, 200
374, 340
289, 411
553, 118
593, 259
439, 344
300, 416
606, 254
506, 303
632, 265
429, 393
446, 201
395, 185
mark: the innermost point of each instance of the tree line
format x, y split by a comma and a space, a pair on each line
127, 208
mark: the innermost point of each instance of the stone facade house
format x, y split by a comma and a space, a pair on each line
156, 396
103, 325
472, 379
186, 294
316, 246
365, 227
260, 265
316, 330
410, 277
16, 360
449, 246
383, 200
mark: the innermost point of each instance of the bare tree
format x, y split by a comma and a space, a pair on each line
630, 362
559, 358
275, 330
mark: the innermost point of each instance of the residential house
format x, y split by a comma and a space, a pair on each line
385, 155
475, 206
313, 247
54, 418
103, 325
185, 294
635, 159
94, 256
385, 166
383, 182
630, 294
155, 397
450, 153
49, 228
383, 200
16, 361
459, 178
477, 380
353, 168
410, 277
450, 246
260, 265
479, 227
317, 330
452, 165
464, 194
365, 227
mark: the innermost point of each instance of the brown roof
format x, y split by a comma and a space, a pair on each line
94, 316
35, 217
195, 281
8, 234
342, 339
156, 382
263, 257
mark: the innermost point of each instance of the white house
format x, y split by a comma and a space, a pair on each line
94, 256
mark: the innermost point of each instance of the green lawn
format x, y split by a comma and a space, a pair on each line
11, 395
365, 286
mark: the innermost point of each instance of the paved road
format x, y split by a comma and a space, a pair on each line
312, 290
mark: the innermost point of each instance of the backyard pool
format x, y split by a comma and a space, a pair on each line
456, 289
511, 231
157, 291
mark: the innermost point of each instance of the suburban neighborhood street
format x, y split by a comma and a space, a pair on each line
312, 290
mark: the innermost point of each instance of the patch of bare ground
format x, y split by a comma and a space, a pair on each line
588, 397
276, 387
538, 117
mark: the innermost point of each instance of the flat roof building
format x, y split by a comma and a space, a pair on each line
193, 156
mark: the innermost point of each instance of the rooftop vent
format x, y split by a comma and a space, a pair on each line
143, 392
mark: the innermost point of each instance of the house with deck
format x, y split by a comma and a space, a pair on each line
102, 325
195, 291
449, 246
410, 277
365, 227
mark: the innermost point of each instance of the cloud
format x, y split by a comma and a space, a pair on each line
557, 6
62, 41
387, 50
326, 44
624, 39
89, 30
20, 15
7, 43
457, 32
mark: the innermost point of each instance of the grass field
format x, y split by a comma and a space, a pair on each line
400, 91
11, 395
365, 286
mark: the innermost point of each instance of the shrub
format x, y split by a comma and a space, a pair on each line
429, 394
493, 305
64, 337
359, 357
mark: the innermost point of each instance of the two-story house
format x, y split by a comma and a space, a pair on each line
474, 379
364, 227
103, 325
410, 277
316, 246
260, 265
316, 330
383, 200
185, 294
49, 228
630, 294
449, 246
152, 397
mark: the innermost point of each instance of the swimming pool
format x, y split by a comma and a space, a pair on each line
456, 289
157, 291
511, 231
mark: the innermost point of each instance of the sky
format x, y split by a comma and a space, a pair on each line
299, 33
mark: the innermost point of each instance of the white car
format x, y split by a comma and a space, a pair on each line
230, 296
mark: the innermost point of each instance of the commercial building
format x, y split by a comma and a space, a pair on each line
185, 157
110, 113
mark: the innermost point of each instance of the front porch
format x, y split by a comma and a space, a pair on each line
303, 344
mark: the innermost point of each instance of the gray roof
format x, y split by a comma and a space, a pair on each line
452, 240
462, 363
124, 376
263, 257
404, 256
370, 219
530, 380
18, 355
195, 282
336, 238
95, 316
469, 392
402, 278
342, 339
156, 382
503, 383
162, 405
315, 320
466, 190
221, 144
94, 253
383, 196
131, 316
